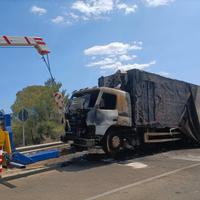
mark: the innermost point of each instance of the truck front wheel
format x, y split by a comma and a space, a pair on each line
113, 144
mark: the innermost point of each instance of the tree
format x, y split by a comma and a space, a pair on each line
44, 121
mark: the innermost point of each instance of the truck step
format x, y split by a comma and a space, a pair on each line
155, 137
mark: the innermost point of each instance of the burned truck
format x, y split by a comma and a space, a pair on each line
130, 109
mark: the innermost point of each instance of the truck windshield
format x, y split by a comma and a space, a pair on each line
84, 100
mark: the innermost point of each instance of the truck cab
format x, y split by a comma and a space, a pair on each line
94, 116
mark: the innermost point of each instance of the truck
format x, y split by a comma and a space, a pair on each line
131, 109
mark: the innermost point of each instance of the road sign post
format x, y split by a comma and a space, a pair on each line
23, 134
23, 116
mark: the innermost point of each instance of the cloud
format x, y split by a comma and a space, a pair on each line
74, 16
86, 10
99, 9
121, 66
93, 7
117, 65
156, 3
127, 57
114, 48
58, 20
38, 10
126, 8
135, 65
166, 74
104, 62
115, 56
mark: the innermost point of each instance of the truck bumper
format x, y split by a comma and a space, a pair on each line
81, 142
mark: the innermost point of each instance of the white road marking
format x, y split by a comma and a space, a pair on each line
142, 182
187, 157
135, 165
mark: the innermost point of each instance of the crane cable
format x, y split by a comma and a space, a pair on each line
46, 60
47, 63
58, 96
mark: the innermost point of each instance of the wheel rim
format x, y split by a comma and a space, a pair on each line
115, 141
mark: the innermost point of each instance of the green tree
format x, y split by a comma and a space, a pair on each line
44, 122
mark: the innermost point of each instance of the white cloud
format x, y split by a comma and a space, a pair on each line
85, 10
156, 3
114, 48
166, 74
100, 9
106, 61
115, 56
38, 10
74, 16
127, 57
121, 66
93, 7
136, 65
127, 9
58, 20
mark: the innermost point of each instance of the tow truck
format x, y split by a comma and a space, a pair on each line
9, 156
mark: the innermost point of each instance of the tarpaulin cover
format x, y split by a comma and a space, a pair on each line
158, 101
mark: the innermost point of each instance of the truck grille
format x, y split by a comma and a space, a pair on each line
78, 126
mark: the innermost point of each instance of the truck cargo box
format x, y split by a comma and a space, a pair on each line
159, 102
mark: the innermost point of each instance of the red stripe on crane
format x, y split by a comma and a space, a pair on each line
44, 52
42, 43
6, 39
37, 38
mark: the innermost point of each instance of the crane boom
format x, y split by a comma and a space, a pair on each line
36, 42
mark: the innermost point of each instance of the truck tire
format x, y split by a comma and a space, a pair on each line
113, 144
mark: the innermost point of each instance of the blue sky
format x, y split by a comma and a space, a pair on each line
91, 38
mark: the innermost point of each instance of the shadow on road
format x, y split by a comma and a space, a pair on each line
88, 161
80, 161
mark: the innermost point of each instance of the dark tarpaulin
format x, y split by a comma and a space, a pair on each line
158, 101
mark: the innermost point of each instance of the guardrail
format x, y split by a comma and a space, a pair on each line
33, 148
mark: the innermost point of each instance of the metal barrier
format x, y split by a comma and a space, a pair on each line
38, 146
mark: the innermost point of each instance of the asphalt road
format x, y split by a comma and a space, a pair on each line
172, 174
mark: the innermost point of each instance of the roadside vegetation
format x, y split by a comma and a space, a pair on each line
44, 122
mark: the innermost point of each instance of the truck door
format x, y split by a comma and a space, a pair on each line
106, 114
124, 109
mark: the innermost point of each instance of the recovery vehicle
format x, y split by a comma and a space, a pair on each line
8, 153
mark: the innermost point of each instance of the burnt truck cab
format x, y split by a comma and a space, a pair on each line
92, 113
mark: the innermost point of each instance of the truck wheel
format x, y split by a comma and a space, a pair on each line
113, 144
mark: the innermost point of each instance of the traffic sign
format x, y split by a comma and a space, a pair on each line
23, 115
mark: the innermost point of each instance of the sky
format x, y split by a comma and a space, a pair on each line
93, 38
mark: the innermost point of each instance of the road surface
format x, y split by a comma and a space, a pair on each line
172, 174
